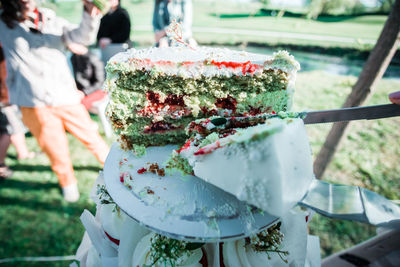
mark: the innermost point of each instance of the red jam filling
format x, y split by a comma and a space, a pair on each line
253, 111
159, 126
203, 261
115, 241
227, 103
174, 100
209, 112
174, 103
142, 170
247, 67
185, 146
207, 149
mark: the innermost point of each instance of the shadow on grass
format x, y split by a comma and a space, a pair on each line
264, 12
55, 205
47, 168
87, 168
27, 185
30, 167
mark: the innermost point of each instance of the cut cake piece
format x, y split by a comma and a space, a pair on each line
156, 92
268, 165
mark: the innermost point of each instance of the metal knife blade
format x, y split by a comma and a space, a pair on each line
353, 113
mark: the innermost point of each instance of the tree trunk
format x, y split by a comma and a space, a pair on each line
372, 72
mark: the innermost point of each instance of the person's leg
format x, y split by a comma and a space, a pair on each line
77, 121
48, 129
5, 171
5, 142
18, 132
18, 141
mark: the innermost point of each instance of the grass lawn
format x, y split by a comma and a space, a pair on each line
35, 221
249, 16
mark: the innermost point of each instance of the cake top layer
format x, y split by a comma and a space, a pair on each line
207, 61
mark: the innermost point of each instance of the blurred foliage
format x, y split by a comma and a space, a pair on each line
344, 7
386, 5
333, 7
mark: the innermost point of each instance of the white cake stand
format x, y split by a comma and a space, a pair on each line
180, 207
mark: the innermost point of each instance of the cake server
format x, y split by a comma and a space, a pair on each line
352, 203
353, 113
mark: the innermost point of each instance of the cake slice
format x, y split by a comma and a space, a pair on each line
263, 160
156, 92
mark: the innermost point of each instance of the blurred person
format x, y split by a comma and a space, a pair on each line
166, 11
89, 76
114, 31
12, 130
39, 81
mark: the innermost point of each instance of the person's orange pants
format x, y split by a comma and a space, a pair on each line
48, 126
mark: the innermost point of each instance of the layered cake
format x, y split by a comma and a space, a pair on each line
155, 93
264, 160
223, 108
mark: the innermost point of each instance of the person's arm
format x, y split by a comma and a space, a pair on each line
156, 14
86, 32
187, 19
158, 22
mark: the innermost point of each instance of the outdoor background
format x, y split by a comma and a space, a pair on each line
331, 47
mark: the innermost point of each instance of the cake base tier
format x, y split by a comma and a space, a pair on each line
180, 207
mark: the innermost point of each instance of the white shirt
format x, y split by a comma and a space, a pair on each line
38, 73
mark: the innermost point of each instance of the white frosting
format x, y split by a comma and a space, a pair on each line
196, 62
93, 258
112, 220
294, 230
141, 256
184, 54
272, 173
131, 234
238, 254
